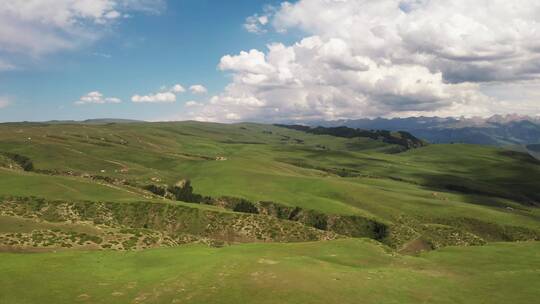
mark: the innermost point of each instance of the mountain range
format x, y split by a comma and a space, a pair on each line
497, 130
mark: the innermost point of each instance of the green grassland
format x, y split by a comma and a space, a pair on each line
344, 271
83, 186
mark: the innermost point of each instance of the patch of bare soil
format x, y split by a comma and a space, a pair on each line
83, 297
415, 247
267, 262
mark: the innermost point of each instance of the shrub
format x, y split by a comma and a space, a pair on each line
246, 207
23, 161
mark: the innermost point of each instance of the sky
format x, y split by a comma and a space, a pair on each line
267, 61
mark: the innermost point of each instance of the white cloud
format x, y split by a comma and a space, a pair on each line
96, 97
38, 27
481, 41
256, 24
198, 89
112, 15
192, 103
177, 88
166, 95
263, 20
522, 97
363, 58
4, 102
163, 97
252, 62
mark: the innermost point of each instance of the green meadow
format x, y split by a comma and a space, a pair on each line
453, 223
346, 271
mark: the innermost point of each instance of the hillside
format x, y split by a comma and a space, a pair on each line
399, 138
273, 204
534, 150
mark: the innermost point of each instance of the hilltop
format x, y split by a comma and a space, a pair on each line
399, 138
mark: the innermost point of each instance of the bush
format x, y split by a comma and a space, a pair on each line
23, 161
316, 220
156, 189
246, 207
183, 191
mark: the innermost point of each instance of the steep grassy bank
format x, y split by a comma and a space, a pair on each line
146, 224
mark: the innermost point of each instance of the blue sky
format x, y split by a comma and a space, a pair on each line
267, 60
182, 43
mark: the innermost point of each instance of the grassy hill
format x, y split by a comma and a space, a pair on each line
96, 198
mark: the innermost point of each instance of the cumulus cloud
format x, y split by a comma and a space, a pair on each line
96, 97
166, 95
198, 89
177, 88
192, 103
318, 79
252, 62
38, 27
363, 58
256, 24
481, 41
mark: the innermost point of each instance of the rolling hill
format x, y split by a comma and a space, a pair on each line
190, 212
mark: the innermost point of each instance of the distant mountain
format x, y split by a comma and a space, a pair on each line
109, 120
497, 130
97, 121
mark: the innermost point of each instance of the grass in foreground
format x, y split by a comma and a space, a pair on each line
342, 271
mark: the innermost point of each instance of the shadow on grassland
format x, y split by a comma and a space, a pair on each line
518, 180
